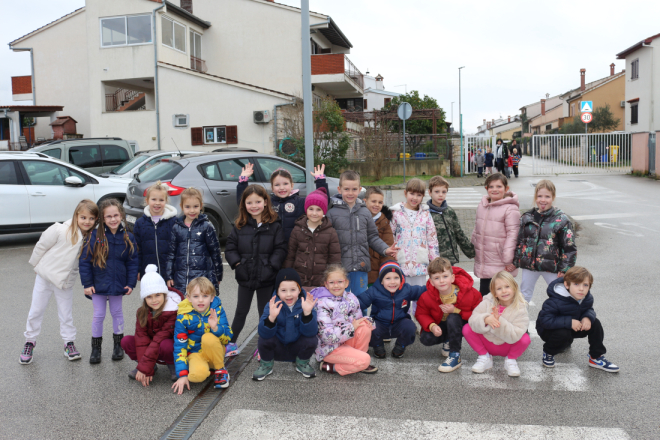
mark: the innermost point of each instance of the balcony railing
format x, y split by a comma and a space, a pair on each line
198, 64
115, 101
328, 64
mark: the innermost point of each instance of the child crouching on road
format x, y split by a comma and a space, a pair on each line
288, 327
444, 309
567, 314
200, 335
498, 326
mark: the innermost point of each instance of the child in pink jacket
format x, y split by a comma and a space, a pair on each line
496, 231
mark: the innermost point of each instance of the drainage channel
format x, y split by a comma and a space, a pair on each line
202, 405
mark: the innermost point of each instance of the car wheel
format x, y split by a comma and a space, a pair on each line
216, 224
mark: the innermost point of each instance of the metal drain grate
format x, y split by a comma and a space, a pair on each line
201, 406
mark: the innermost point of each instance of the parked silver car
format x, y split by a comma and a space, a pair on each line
216, 174
96, 155
142, 161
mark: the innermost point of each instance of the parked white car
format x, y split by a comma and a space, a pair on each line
37, 190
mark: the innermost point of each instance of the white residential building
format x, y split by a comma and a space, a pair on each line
375, 95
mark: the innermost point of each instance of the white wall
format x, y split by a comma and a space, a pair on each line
646, 88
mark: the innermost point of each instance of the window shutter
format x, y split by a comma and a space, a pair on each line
197, 136
232, 134
365, 105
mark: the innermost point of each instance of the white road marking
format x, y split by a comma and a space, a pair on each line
618, 229
243, 423
604, 216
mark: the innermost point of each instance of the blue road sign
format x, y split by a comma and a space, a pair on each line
586, 106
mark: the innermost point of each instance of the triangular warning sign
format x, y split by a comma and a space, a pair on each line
586, 106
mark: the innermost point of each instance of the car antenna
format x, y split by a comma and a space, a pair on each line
177, 148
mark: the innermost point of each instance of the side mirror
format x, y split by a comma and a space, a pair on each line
73, 181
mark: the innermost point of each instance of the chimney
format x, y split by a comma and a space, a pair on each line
612, 69
187, 5
543, 107
509, 118
582, 84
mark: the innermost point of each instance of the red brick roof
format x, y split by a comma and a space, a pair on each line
21, 85
33, 108
61, 120
631, 49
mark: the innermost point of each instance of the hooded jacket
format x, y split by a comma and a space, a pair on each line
335, 316
54, 258
311, 252
495, 234
193, 252
149, 337
449, 232
480, 159
547, 246
489, 159
260, 250
357, 232
289, 325
561, 308
121, 265
289, 208
514, 322
467, 298
418, 240
153, 239
189, 328
385, 234
390, 307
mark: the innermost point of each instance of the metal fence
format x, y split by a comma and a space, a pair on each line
471, 144
593, 153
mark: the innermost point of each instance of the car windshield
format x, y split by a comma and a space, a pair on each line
166, 170
125, 168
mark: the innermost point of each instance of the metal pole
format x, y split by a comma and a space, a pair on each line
307, 92
156, 89
460, 116
404, 151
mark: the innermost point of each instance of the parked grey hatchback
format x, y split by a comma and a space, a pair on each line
216, 175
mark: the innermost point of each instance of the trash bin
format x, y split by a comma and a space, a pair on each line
614, 153
420, 155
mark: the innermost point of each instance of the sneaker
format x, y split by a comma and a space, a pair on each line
398, 351
444, 349
603, 364
70, 351
26, 357
452, 362
371, 369
484, 362
511, 367
327, 367
548, 360
303, 367
231, 349
379, 352
221, 378
132, 374
265, 368
173, 374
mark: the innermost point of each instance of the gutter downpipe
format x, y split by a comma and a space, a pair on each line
155, 32
275, 107
26, 49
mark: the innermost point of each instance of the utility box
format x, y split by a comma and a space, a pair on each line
63, 125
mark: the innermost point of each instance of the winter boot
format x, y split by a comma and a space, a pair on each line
265, 368
173, 374
117, 351
303, 367
95, 357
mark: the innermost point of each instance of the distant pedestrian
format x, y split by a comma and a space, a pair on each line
509, 167
546, 241
490, 157
55, 261
516, 160
481, 161
501, 156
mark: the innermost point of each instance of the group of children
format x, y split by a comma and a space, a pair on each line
507, 163
317, 264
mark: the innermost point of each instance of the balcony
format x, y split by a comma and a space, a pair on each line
198, 64
337, 75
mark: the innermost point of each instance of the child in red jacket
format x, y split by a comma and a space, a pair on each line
154, 328
444, 309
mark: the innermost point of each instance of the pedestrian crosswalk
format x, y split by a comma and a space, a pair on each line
464, 197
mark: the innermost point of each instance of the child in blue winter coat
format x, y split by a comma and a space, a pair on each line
391, 296
288, 327
154, 229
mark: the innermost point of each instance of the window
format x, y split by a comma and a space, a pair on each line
55, 152
230, 170
548, 127
113, 155
365, 105
123, 31
572, 110
8, 174
126, 167
86, 156
314, 47
634, 115
195, 45
48, 173
161, 171
153, 162
174, 34
268, 166
387, 101
634, 69
215, 135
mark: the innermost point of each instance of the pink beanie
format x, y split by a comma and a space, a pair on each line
318, 198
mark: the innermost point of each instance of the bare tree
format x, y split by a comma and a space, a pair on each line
379, 144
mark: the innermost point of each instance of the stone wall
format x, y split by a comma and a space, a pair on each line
413, 168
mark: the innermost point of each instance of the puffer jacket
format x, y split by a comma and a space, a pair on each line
190, 249
467, 298
390, 307
289, 325
561, 308
289, 209
385, 234
450, 233
189, 328
495, 234
548, 246
481, 159
335, 316
54, 258
311, 252
357, 232
260, 250
149, 337
153, 239
514, 322
418, 241
121, 265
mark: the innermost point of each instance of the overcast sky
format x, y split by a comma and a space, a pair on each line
514, 52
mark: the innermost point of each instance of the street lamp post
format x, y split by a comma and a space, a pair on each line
460, 116
307, 93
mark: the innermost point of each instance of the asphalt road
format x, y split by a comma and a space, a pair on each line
619, 218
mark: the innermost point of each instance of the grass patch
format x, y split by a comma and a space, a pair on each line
391, 180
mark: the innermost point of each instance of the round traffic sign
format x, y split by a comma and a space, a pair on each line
404, 111
586, 117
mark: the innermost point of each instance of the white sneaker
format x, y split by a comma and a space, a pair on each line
484, 362
444, 349
511, 367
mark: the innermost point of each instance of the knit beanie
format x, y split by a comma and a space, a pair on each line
390, 266
152, 282
317, 198
287, 275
